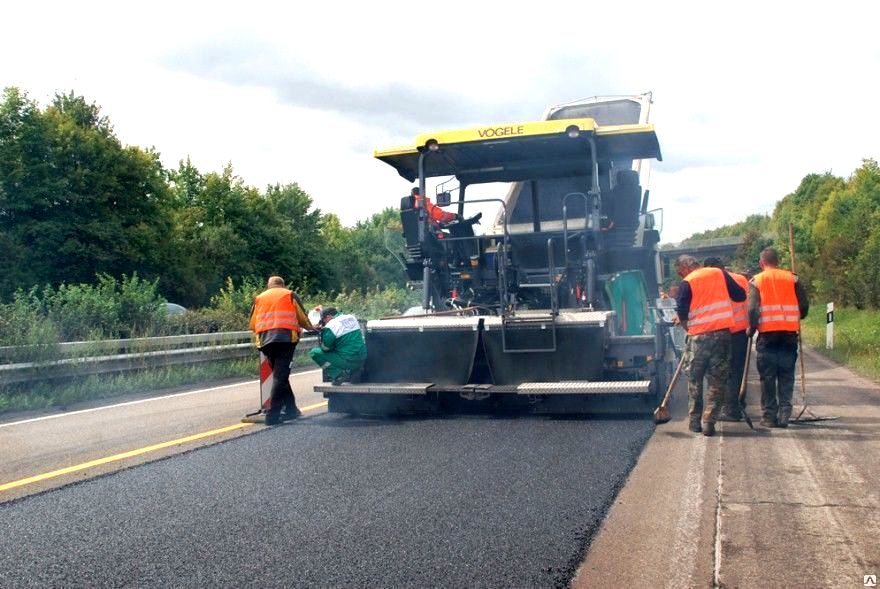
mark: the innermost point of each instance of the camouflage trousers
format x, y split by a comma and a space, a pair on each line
707, 356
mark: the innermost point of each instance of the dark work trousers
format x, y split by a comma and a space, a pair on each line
739, 343
280, 355
777, 357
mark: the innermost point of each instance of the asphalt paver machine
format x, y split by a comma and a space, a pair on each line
549, 310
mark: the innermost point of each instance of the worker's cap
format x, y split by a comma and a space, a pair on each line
713, 262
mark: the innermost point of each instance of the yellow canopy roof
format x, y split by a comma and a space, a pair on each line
520, 151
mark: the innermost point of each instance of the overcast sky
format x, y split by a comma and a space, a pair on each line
748, 97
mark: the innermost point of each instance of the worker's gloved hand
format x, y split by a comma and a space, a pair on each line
750, 332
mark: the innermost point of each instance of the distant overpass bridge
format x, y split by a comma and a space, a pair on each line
721, 247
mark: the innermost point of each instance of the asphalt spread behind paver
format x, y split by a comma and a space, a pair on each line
332, 500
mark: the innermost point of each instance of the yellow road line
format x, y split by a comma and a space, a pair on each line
132, 453
315, 406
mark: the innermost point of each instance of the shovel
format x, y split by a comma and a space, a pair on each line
744, 385
661, 413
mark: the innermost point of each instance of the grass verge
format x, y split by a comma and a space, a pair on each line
62, 393
856, 338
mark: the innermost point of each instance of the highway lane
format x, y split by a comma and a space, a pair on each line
44, 443
332, 500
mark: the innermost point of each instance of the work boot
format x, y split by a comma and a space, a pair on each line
290, 414
730, 415
343, 377
769, 421
694, 426
782, 420
273, 417
708, 429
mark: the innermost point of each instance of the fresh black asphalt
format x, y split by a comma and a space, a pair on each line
336, 501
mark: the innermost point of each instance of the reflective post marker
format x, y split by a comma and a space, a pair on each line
829, 326
266, 380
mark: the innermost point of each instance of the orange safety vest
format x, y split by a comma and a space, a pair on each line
274, 309
779, 309
740, 310
435, 213
711, 308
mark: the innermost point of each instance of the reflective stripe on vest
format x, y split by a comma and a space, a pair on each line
740, 310
710, 309
779, 310
274, 309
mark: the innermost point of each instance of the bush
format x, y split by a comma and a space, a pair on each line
131, 307
23, 323
370, 304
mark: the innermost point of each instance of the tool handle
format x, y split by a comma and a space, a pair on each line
672, 382
745, 379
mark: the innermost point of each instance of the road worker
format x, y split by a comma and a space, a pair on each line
342, 351
739, 342
777, 303
277, 317
436, 215
705, 310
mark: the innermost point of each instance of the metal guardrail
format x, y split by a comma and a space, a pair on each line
72, 359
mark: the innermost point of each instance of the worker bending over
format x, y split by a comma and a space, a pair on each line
342, 352
705, 311
777, 303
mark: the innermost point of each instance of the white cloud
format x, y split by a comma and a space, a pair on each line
748, 97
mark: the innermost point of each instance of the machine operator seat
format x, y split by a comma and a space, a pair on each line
622, 206
409, 220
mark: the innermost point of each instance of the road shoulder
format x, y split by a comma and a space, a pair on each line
769, 508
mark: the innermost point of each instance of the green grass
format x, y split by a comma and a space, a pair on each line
856, 338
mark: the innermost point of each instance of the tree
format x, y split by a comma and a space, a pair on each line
75, 202
842, 229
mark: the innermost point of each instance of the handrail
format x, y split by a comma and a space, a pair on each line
565, 223
502, 258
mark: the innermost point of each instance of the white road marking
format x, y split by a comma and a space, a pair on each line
687, 528
139, 401
719, 497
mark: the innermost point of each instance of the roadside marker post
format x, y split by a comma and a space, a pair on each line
266, 380
829, 326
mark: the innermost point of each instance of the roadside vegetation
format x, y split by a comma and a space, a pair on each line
856, 338
34, 322
97, 236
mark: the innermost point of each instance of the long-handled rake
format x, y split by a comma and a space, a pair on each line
744, 385
661, 413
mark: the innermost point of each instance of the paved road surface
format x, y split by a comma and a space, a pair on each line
798, 507
466, 501
331, 500
39, 444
